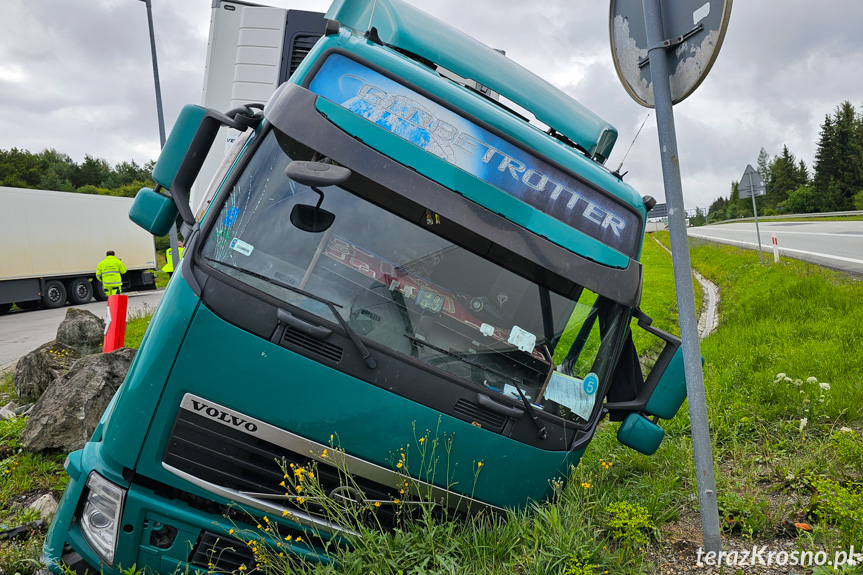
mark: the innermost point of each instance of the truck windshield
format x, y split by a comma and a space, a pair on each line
398, 284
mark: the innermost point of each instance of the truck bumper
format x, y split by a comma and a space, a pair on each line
164, 535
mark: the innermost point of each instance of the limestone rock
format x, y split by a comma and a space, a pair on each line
8, 411
45, 505
82, 330
36, 370
66, 415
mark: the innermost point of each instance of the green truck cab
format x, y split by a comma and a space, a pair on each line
391, 256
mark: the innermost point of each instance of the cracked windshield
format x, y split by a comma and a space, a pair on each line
396, 283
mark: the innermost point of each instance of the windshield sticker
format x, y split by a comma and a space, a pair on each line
239, 245
571, 392
591, 383
231, 216
522, 339
477, 151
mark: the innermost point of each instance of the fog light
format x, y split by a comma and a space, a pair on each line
100, 519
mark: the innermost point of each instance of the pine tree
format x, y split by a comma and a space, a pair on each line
839, 159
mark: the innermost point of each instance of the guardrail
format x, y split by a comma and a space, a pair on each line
793, 216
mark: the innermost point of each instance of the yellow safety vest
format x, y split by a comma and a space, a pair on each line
110, 272
169, 266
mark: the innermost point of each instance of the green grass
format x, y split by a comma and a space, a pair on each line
793, 318
784, 449
798, 219
136, 326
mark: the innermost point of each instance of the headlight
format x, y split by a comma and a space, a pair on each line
100, 519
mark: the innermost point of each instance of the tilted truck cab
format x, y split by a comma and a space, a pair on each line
387, 257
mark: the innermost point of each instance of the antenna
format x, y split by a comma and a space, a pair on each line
372, 15
617, 171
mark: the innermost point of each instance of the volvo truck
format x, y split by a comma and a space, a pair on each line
414, 240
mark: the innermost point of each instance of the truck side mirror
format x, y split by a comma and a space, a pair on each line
187, 146
153, 211
660, 395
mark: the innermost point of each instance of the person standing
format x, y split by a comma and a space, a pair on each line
110, 272
169, 265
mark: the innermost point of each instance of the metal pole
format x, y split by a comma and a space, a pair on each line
172, 236
682, 276
755, 213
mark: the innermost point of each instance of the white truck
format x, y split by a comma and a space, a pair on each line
52, 242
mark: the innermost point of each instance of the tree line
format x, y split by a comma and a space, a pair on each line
52, 170
836, 184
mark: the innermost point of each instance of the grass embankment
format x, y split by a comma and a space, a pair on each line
24, 476
771, 219
785, 448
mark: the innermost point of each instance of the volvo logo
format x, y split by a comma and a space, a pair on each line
347, 493
223, 416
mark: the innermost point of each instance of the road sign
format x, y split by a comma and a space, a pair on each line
693, 33
658, 211
750, 183
662, 49
751, 186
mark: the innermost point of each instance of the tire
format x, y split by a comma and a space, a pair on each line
54, 295
80, 291
4, 307
99, 291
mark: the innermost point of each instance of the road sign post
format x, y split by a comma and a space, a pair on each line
752, 185
684, 35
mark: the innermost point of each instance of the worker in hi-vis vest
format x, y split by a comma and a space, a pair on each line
110, 272
169, 265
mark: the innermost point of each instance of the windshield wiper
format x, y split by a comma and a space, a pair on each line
364, 351
543, 432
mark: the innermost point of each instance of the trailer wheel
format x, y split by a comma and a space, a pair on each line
80, 291
4, 307
99, 291
54, 295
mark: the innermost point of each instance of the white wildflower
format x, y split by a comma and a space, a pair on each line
824, 385
811, 379
779, 377
846, 430
803, 423
797, 381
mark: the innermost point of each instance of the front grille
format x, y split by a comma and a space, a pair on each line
235, 460
473, 412
300, 49
311, 344
221, 554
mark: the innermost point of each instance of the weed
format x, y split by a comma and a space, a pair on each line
630, 524
840, 505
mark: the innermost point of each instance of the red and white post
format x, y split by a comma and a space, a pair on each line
115, 323
775, 249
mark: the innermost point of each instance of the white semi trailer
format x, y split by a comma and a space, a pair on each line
51, 242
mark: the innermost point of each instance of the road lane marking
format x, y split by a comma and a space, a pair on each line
777, 232
787, 250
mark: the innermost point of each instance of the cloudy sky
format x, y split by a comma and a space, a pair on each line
76, 76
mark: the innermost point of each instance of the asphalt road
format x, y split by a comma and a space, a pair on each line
837, 245
23, 331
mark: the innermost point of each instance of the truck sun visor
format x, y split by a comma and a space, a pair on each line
475, 150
